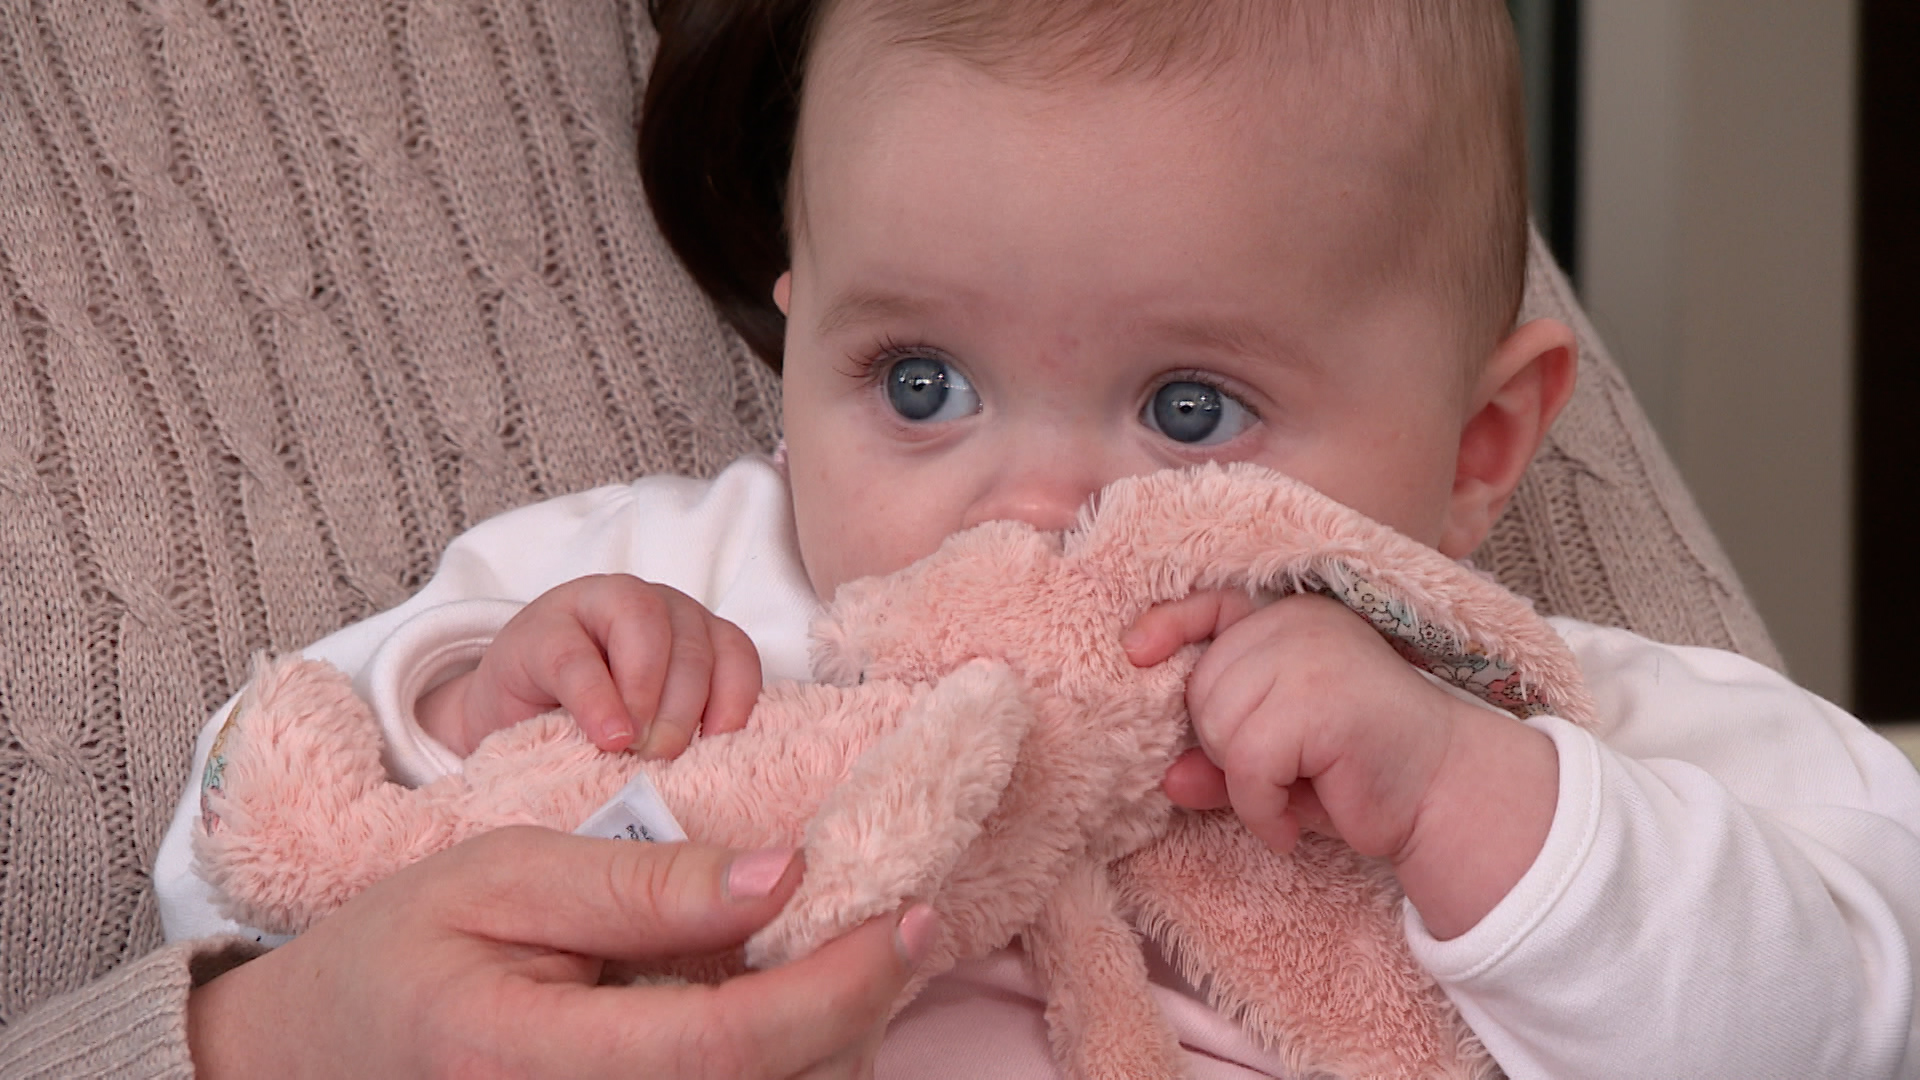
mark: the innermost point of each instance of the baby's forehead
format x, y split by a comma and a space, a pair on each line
1300, 70
1148, 38
1303, 83
1413, 104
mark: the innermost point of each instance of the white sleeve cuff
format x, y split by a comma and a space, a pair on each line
1666, 928
423, 652
1569, 843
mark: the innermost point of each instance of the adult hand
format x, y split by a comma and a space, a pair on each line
483, 961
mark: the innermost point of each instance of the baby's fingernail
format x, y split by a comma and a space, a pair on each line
656, 742
915, 934
753, 875
616, 737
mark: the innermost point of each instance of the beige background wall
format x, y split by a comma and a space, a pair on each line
1716, 258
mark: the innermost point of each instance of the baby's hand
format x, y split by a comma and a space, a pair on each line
637, 664
1306, 717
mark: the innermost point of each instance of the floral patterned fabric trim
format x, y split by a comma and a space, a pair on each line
216, 770
1466, 664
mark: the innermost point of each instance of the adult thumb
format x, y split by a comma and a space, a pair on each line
618, 899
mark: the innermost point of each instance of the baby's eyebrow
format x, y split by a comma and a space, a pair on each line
862, 306
1206, 333
1219, 334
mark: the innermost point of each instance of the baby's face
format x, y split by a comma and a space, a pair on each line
1004, 297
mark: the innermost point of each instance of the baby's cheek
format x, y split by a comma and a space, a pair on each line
827, 547
867, 548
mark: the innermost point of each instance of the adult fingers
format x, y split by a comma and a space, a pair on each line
854, 1063
1165, 629
816, 1017
822, 1016
615, 900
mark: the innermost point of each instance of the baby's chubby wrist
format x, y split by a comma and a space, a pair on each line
1483, 821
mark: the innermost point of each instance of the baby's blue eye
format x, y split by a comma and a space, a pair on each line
927, 389
1195, 413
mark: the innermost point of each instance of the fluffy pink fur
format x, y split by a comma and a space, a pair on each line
978, 739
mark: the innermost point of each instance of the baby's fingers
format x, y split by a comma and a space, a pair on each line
669, 709
580, 682
711, 666
1165, 629
1195, 783
1263, 806
681, 668
736, 679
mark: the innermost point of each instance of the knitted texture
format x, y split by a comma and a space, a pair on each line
129, 1023
291, 293
1602, 527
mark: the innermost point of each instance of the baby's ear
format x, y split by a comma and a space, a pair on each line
1523, 387
783, 293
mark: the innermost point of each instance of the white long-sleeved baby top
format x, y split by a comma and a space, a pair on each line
1730, 886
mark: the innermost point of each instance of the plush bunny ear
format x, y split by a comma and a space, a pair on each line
1170, 533
1536, 679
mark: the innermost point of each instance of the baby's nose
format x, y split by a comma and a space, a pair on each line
1045, 495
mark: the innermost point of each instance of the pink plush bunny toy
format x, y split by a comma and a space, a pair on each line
978, 739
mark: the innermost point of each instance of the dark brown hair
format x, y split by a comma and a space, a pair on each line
716, 142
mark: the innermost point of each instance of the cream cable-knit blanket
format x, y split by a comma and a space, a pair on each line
289, 294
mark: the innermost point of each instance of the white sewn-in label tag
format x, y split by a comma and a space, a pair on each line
635, 812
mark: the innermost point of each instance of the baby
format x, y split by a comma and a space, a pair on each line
1038, 247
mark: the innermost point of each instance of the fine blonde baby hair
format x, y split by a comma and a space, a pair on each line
1450, 67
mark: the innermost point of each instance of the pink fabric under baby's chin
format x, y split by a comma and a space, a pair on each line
987, 1018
